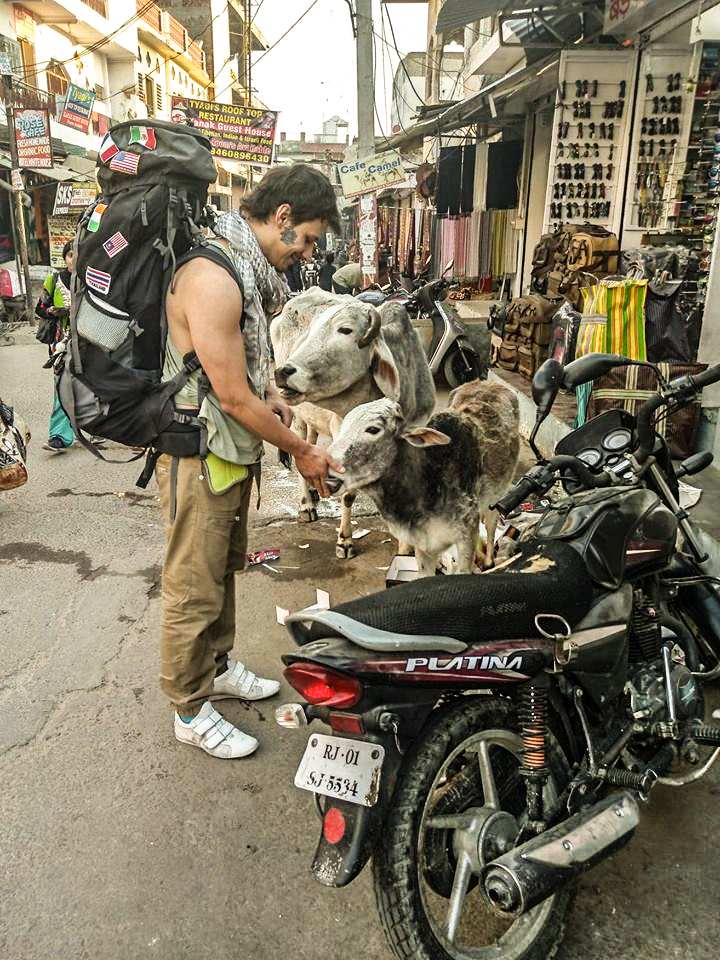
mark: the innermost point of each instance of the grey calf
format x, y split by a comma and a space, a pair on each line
433, 483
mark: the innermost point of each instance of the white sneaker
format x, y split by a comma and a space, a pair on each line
238, 681
214, 735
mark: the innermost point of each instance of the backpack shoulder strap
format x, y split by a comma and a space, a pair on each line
215, 251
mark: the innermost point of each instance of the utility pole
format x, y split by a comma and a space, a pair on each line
366, 136
17, 191
247, 66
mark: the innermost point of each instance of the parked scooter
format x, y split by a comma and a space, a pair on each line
450, 350
494, 736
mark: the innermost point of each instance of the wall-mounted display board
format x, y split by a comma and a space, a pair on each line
659, 140
590, 142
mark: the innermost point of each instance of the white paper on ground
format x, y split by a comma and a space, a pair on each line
689, 495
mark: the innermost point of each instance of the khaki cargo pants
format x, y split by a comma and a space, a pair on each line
206, 543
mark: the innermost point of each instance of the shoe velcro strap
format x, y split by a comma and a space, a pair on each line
214, 739
207, 724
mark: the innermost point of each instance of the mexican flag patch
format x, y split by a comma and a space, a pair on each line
144, 136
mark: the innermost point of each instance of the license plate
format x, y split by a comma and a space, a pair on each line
341, 768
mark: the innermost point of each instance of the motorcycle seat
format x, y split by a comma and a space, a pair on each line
548, 577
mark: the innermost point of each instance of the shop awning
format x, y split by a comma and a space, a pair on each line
549, 23
481, 107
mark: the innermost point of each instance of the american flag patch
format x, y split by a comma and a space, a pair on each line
97, 279
125, 162
115, 244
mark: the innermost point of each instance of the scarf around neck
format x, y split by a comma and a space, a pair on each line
265, 292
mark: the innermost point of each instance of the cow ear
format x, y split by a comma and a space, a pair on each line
425, 437
385, 373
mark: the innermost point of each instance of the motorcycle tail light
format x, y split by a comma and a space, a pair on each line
333, 825
322, 686
346, 723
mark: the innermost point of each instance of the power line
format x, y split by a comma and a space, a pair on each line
165, 60
402, 59
272, 46
257, 11
93, 47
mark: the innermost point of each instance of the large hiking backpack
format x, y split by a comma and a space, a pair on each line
154, 177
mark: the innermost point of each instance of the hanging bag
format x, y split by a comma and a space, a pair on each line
591, 338
14, 436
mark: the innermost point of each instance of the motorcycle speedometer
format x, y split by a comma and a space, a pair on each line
617, 439
591, 456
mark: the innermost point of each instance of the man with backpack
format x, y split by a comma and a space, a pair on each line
205, 501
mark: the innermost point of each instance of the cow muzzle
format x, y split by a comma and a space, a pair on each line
282, 376
333, 482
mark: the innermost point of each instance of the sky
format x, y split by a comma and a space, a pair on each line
310, 75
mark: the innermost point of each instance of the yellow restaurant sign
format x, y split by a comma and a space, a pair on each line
372, 173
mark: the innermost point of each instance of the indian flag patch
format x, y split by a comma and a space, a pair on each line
145, 136
96, 216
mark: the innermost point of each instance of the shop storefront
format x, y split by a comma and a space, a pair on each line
620, 136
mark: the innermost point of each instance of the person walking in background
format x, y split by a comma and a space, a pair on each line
325, 274
54, 303
293, 275
348, 279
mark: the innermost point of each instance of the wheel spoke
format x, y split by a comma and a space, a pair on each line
490, 791
450, 821
457, 897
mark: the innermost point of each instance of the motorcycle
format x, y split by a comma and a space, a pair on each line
494, 736
450, 349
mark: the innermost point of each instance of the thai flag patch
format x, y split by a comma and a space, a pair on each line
97, 280
115, 244
125, 162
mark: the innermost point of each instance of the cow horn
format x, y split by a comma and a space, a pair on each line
372, 331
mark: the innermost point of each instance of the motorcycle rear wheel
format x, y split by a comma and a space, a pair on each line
428, 904
461, 365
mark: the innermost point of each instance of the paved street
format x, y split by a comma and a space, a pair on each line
118, 843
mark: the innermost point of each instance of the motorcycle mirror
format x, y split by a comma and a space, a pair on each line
448, 266
593, 365
545, 385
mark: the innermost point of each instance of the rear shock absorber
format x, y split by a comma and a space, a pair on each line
533, 713
644, 630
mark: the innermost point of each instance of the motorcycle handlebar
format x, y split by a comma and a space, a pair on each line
681, 389
541, 478
696, 381
518, 494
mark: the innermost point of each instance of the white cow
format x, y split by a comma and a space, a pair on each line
433, 483
333, 352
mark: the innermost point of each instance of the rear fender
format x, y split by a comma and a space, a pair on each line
337, 864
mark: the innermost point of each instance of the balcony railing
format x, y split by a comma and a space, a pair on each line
174, 33
23, 95
151, 15
99, 6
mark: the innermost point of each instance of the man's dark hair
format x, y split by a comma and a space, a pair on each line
308, 192
330, 257
67, 248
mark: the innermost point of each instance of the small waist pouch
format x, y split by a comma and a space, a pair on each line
222, 474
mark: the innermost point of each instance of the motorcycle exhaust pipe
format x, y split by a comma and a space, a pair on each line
530, 873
